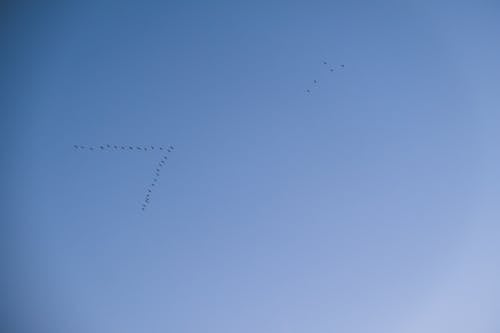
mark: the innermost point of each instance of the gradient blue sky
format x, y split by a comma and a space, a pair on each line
369, 205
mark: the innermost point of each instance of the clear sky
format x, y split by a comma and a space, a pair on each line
369, 204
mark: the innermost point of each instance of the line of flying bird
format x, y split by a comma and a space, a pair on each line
331, 68
156, 172
121, 147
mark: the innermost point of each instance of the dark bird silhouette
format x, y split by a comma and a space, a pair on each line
172, 147
308, 91
342, 66
75, 146
102, 147
324, 62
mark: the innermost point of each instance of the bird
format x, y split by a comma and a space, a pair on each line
109, 146
324, 62
130, 147
102, 147
152, 147
308, 91
75, 146
315, 81
116, 147
342, 66
331, 69
172, 147
122, 147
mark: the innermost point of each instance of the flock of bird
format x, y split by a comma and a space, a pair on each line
116, 147
157, 170
163, 161
331, 68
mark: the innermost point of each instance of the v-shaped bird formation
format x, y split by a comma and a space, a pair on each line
164, 150
328, 67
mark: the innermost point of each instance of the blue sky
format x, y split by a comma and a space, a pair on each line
369, 204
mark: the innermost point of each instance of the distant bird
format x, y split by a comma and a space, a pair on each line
331, 69
308, 91
138, 148
109, 146
130, 147
152, 147
149, 190
324, 62
76, 147
342, 66
161, 148
172, 147
315, 81
122, 147
102, 147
